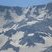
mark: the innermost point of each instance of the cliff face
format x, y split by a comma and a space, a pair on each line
25, 27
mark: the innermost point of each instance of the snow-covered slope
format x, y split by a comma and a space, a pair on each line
26, 29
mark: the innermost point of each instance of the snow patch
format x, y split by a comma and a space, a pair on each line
31, 34
31, 22
50, 27
8, 50
3, 40
16, 38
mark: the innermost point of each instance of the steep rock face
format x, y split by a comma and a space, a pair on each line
20, 23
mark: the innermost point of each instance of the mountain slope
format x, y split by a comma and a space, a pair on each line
26, 27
